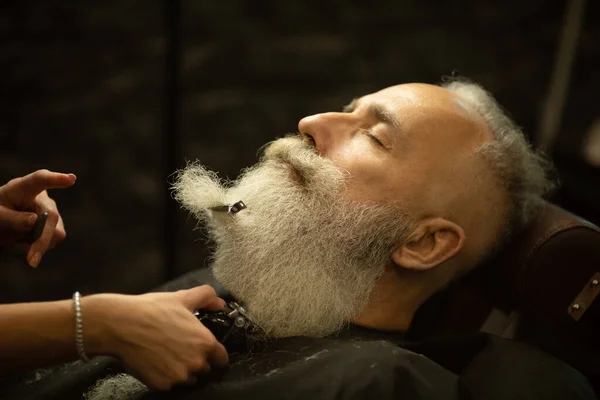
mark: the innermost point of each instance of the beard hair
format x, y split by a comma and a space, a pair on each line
117, 387
302, 257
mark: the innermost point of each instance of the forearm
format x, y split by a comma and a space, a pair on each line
34, 335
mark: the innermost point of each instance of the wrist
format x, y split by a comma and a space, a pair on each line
99, 333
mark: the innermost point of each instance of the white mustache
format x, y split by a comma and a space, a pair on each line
301, 156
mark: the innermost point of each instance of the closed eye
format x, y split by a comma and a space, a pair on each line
374, 139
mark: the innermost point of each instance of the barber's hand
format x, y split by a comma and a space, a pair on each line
21, 200
156, 335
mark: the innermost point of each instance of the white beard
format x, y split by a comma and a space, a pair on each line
302, 257
117, 387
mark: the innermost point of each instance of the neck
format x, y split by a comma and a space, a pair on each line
395, 299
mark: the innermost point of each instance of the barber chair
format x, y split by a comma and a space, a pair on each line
542, 289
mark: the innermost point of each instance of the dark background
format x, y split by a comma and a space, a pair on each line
122, 93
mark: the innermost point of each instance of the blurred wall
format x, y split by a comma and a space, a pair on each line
82, 87
83, 92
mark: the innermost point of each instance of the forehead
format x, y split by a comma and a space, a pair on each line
419, 105
420, 95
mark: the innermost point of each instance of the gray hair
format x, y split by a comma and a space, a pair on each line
520, 170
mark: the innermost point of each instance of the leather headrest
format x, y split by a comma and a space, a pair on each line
546, 266
539, 273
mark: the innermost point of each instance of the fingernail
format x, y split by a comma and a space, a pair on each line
74, 176
32, 220
35, 260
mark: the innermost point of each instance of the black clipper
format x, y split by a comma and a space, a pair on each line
231, 325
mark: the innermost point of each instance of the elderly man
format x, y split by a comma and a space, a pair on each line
350, 227
370, 211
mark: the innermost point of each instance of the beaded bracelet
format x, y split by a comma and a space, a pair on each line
79, 326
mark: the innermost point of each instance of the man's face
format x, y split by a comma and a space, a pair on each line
408, 143
327, 213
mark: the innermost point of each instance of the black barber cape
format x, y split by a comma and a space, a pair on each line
357, 363
365, 364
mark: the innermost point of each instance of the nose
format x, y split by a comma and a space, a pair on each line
328, 130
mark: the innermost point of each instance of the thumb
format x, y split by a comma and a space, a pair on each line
201, 297
16, 221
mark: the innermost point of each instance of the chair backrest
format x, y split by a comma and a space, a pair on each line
548, 278
550, 271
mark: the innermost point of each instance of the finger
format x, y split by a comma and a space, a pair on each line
201, 297
218, 355
59, 233
17, 221
193, 379
60, 227
40, 246
202, 367
33, 184
43, 202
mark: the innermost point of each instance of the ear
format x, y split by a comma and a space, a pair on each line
433, 241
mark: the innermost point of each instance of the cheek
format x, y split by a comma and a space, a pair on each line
369, 173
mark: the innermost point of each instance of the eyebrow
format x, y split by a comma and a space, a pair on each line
379, 111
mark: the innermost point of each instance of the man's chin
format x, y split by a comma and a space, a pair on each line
286, 307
